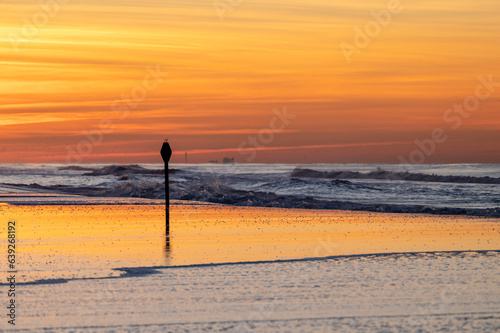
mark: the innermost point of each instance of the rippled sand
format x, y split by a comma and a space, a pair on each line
435, 292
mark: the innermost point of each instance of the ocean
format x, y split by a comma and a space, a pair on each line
464, 189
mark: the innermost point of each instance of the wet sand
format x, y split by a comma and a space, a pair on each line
56, 242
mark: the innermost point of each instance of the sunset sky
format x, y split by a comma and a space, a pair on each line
70, 67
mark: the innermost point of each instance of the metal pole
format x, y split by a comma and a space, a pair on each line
166, 153
167, 200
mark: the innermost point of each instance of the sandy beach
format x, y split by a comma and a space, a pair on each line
89, 241
104, 268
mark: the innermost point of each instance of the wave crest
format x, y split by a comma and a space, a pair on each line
392, 175
126, 170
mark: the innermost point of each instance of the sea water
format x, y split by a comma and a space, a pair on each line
472, 189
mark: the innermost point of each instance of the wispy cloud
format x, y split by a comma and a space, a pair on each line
226, 77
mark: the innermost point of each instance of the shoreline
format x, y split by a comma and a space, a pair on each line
130, 272
62, 241
16, 197
225, 262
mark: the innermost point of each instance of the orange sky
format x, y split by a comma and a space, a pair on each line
69, 68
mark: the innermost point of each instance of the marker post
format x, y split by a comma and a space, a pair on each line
166, 153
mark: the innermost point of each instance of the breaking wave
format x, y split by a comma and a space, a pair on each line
123, 170
215, 192
456, 189
391, 175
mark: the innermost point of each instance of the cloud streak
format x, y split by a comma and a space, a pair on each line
226, 77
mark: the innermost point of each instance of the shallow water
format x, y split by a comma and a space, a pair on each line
69, 242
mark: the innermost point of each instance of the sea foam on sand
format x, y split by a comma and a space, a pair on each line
451, 292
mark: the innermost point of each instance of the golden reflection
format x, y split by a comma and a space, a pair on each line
89, 241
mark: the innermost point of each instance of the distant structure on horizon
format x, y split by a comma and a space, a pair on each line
186, 157
226, 160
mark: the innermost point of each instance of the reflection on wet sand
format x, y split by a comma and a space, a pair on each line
91, 241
